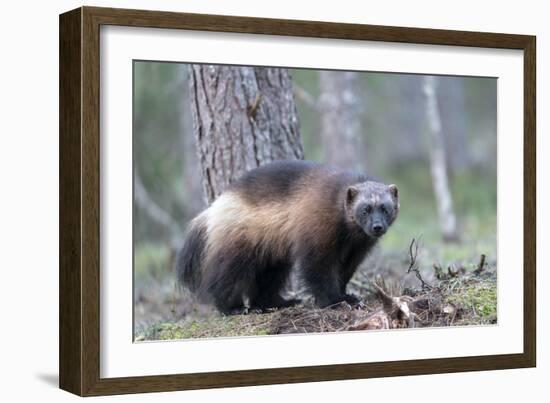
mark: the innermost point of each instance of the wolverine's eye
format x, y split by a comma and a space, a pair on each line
385, 209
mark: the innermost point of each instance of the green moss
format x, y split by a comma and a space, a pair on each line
478, 302
217, 326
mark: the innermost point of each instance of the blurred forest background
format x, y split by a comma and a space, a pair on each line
433, 136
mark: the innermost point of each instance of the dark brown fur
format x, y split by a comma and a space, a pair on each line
240, 251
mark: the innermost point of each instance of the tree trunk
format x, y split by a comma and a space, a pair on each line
453, 114
341, 107
438, 163
192, 199
243, 117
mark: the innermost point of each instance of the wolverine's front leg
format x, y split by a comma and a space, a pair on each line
326, 285
345, 274
323, 281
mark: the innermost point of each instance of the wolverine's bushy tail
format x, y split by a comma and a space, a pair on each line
190, 256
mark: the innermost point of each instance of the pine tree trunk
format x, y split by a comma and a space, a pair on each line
341, 107
438, 163
243, 117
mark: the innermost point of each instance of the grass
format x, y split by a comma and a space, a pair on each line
214, 326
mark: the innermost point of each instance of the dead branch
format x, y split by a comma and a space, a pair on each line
154, 211
413, 255
480, 266
452, 272
438, 271
396, 308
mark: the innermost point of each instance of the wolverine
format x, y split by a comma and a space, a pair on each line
319, 220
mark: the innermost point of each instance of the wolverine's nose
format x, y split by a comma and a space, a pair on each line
378, 229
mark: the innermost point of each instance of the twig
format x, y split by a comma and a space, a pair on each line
413, 255
386, 298
173, 306
357, 283
452, 273
480, 266
453, 318
160, 216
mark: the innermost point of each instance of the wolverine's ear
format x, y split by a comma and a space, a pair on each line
351, 193
394, 192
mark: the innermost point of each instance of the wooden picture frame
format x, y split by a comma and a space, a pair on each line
79, 346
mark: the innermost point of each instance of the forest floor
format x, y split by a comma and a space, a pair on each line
453, 296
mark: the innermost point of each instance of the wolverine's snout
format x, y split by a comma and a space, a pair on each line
378, 229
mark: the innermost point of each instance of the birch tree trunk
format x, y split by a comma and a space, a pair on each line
340, 105
438, 163
243, 117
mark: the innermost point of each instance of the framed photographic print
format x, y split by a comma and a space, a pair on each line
249, 201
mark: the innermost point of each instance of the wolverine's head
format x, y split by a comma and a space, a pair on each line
372, 206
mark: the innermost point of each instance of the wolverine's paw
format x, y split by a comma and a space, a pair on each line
287, 303
244, 310
255, 310
279, 303
354, 301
